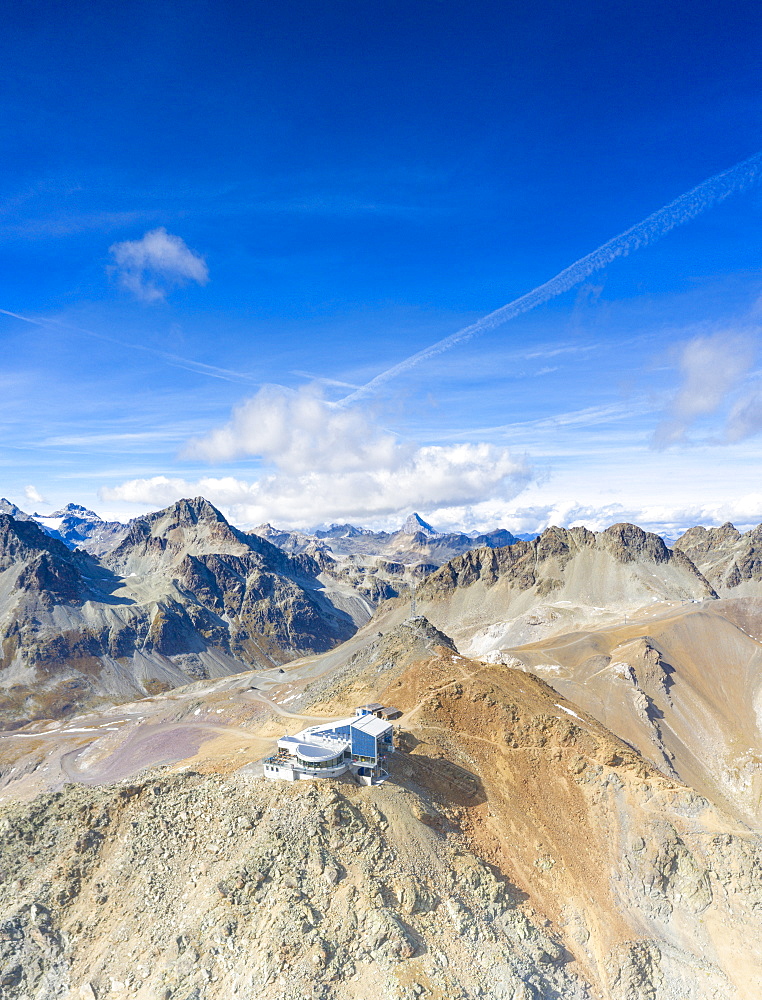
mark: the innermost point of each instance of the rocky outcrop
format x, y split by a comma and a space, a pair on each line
726, 557
183, 594
519, 850
542, 562
23, 540
81, 528
207, 887
416, 543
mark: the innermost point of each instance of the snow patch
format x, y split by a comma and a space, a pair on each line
569, 712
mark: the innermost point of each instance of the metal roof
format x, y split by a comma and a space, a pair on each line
312, 753
371, 725
306, 749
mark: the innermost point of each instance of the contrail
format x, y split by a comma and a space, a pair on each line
171, 359
710, 192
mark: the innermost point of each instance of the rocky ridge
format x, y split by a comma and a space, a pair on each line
285, 892
385, 564
731, 561
183, 596
494, 599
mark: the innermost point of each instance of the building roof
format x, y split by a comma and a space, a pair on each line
326, 727
371, 725
372, 706
312, 752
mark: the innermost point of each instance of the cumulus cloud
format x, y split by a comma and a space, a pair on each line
33, 494
299, 431
326, 463
711, 369
670, 518
432, 476
150, 267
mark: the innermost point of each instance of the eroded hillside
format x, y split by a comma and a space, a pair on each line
519, 849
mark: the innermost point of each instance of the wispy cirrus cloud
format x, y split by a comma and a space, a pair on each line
713, 368
158, 262
745, 417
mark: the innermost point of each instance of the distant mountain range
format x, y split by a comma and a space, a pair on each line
74, 525
79, 527
94, 610
416, 545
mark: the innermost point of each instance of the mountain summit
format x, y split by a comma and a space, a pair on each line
415, 523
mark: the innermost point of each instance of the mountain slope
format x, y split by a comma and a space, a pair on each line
81, 528
681, 684
416, 542
183, 596
520, 850
488, 599
382, 565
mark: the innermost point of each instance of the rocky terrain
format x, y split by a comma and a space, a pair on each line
632, 633
518, 850
74, 525
490, 599
385, 564
94, 611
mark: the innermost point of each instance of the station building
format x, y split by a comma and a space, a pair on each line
359, 744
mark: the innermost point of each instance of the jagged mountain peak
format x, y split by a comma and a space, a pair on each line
573, 559
415, 524
15, 532
7, 507
192, 511
628, 542
343, 531
264, 530
184, 525
75, 510
726, 557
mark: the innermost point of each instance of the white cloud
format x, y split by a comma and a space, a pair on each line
327, 463
711, 368
152, 266
299, 432
33, 494
433, 476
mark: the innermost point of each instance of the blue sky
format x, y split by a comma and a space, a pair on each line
217, 221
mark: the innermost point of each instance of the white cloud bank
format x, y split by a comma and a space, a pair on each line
326, 463
150, 267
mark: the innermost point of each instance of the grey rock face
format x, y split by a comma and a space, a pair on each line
181, 584
725, 556
541, 563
